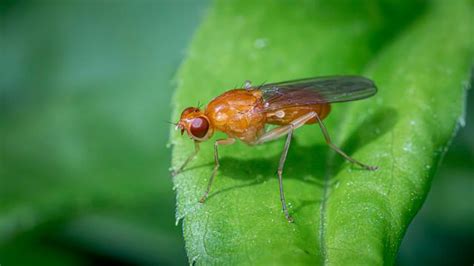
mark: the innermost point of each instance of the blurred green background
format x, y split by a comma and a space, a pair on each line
85, 99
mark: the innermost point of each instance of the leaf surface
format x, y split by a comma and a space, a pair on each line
418, 54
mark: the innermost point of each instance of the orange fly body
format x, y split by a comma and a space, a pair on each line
244, 113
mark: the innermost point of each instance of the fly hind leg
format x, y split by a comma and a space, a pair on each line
338, 150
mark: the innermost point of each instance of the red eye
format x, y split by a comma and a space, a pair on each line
199, 127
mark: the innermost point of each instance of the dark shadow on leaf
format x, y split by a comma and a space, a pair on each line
211, 195
397, 18
197, 167
372, 128
305, 203
299, 165
307, 163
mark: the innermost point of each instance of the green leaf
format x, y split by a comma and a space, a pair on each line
419, 55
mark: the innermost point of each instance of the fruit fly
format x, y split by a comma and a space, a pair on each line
243, 114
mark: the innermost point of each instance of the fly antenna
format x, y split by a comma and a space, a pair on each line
171, 123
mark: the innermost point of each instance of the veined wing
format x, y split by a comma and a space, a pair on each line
317, 90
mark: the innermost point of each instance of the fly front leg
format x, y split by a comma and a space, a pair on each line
190, 158
276, 133
216, 165
338, 150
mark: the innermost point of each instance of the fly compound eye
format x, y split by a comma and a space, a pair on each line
199, 127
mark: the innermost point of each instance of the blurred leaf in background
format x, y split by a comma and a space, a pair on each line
85, 89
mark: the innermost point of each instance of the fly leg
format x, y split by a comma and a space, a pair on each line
190, 158
276, 133
338, 150
280, 175
283, 130
216, 165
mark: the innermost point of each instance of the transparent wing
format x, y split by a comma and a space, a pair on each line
318, 90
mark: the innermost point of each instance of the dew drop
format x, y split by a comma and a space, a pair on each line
178, 218
408, 147
194, 259
462, 120
260, 43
